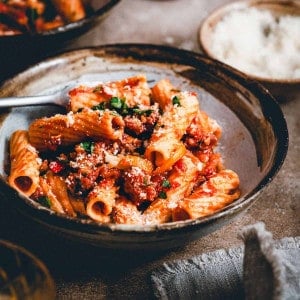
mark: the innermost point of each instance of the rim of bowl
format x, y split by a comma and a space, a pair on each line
69, 26
216, 15
269, 105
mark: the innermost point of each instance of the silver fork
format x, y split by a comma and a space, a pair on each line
60, 98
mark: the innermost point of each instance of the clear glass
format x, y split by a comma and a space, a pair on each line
22, 275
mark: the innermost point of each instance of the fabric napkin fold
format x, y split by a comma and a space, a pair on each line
260, 269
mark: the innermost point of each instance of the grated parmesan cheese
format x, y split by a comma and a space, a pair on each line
70, 119
111, 159
31, 148
256, 42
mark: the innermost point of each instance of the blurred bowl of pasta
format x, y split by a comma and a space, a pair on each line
149, 152
259, 38
31, 30
23, 275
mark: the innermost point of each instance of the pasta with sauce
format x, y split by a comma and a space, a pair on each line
36, 16
126, 153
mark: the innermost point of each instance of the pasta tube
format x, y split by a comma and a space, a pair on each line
78, 205
53, 201
48, 133
165, 147
133, 90
135, 161
182, 179
101, 201
207, 125
163, 92
125, 212
219, 191
70, 10
25, 163
54, 187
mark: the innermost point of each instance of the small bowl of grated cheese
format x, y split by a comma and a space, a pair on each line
260, 38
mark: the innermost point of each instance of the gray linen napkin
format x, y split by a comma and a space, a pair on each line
260, 269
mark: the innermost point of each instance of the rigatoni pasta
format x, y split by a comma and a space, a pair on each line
55, 190
64, 130
70, 10
25, 164
180, 183
220, 190
165, 145
101, 201
36, 16
133, 90
125, 153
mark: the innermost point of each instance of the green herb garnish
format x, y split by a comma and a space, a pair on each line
166, 184
176, 100
100, 106
98, 89
116, 102
87, 146
162, 195
119, 105
45, 201
139, 111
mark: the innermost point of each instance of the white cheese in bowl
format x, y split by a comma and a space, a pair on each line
258, 43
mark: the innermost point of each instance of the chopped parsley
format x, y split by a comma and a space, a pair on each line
166, 184
119, 105
45, 201
176, 100
116, 102
138, 111
87, 146
100, 106
162, 195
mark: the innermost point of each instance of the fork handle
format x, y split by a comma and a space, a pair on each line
28, 100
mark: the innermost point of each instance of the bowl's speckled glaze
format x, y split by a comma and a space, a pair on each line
254, 141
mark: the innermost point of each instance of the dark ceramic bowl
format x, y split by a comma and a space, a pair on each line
283, 89
19, 51
254, 141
